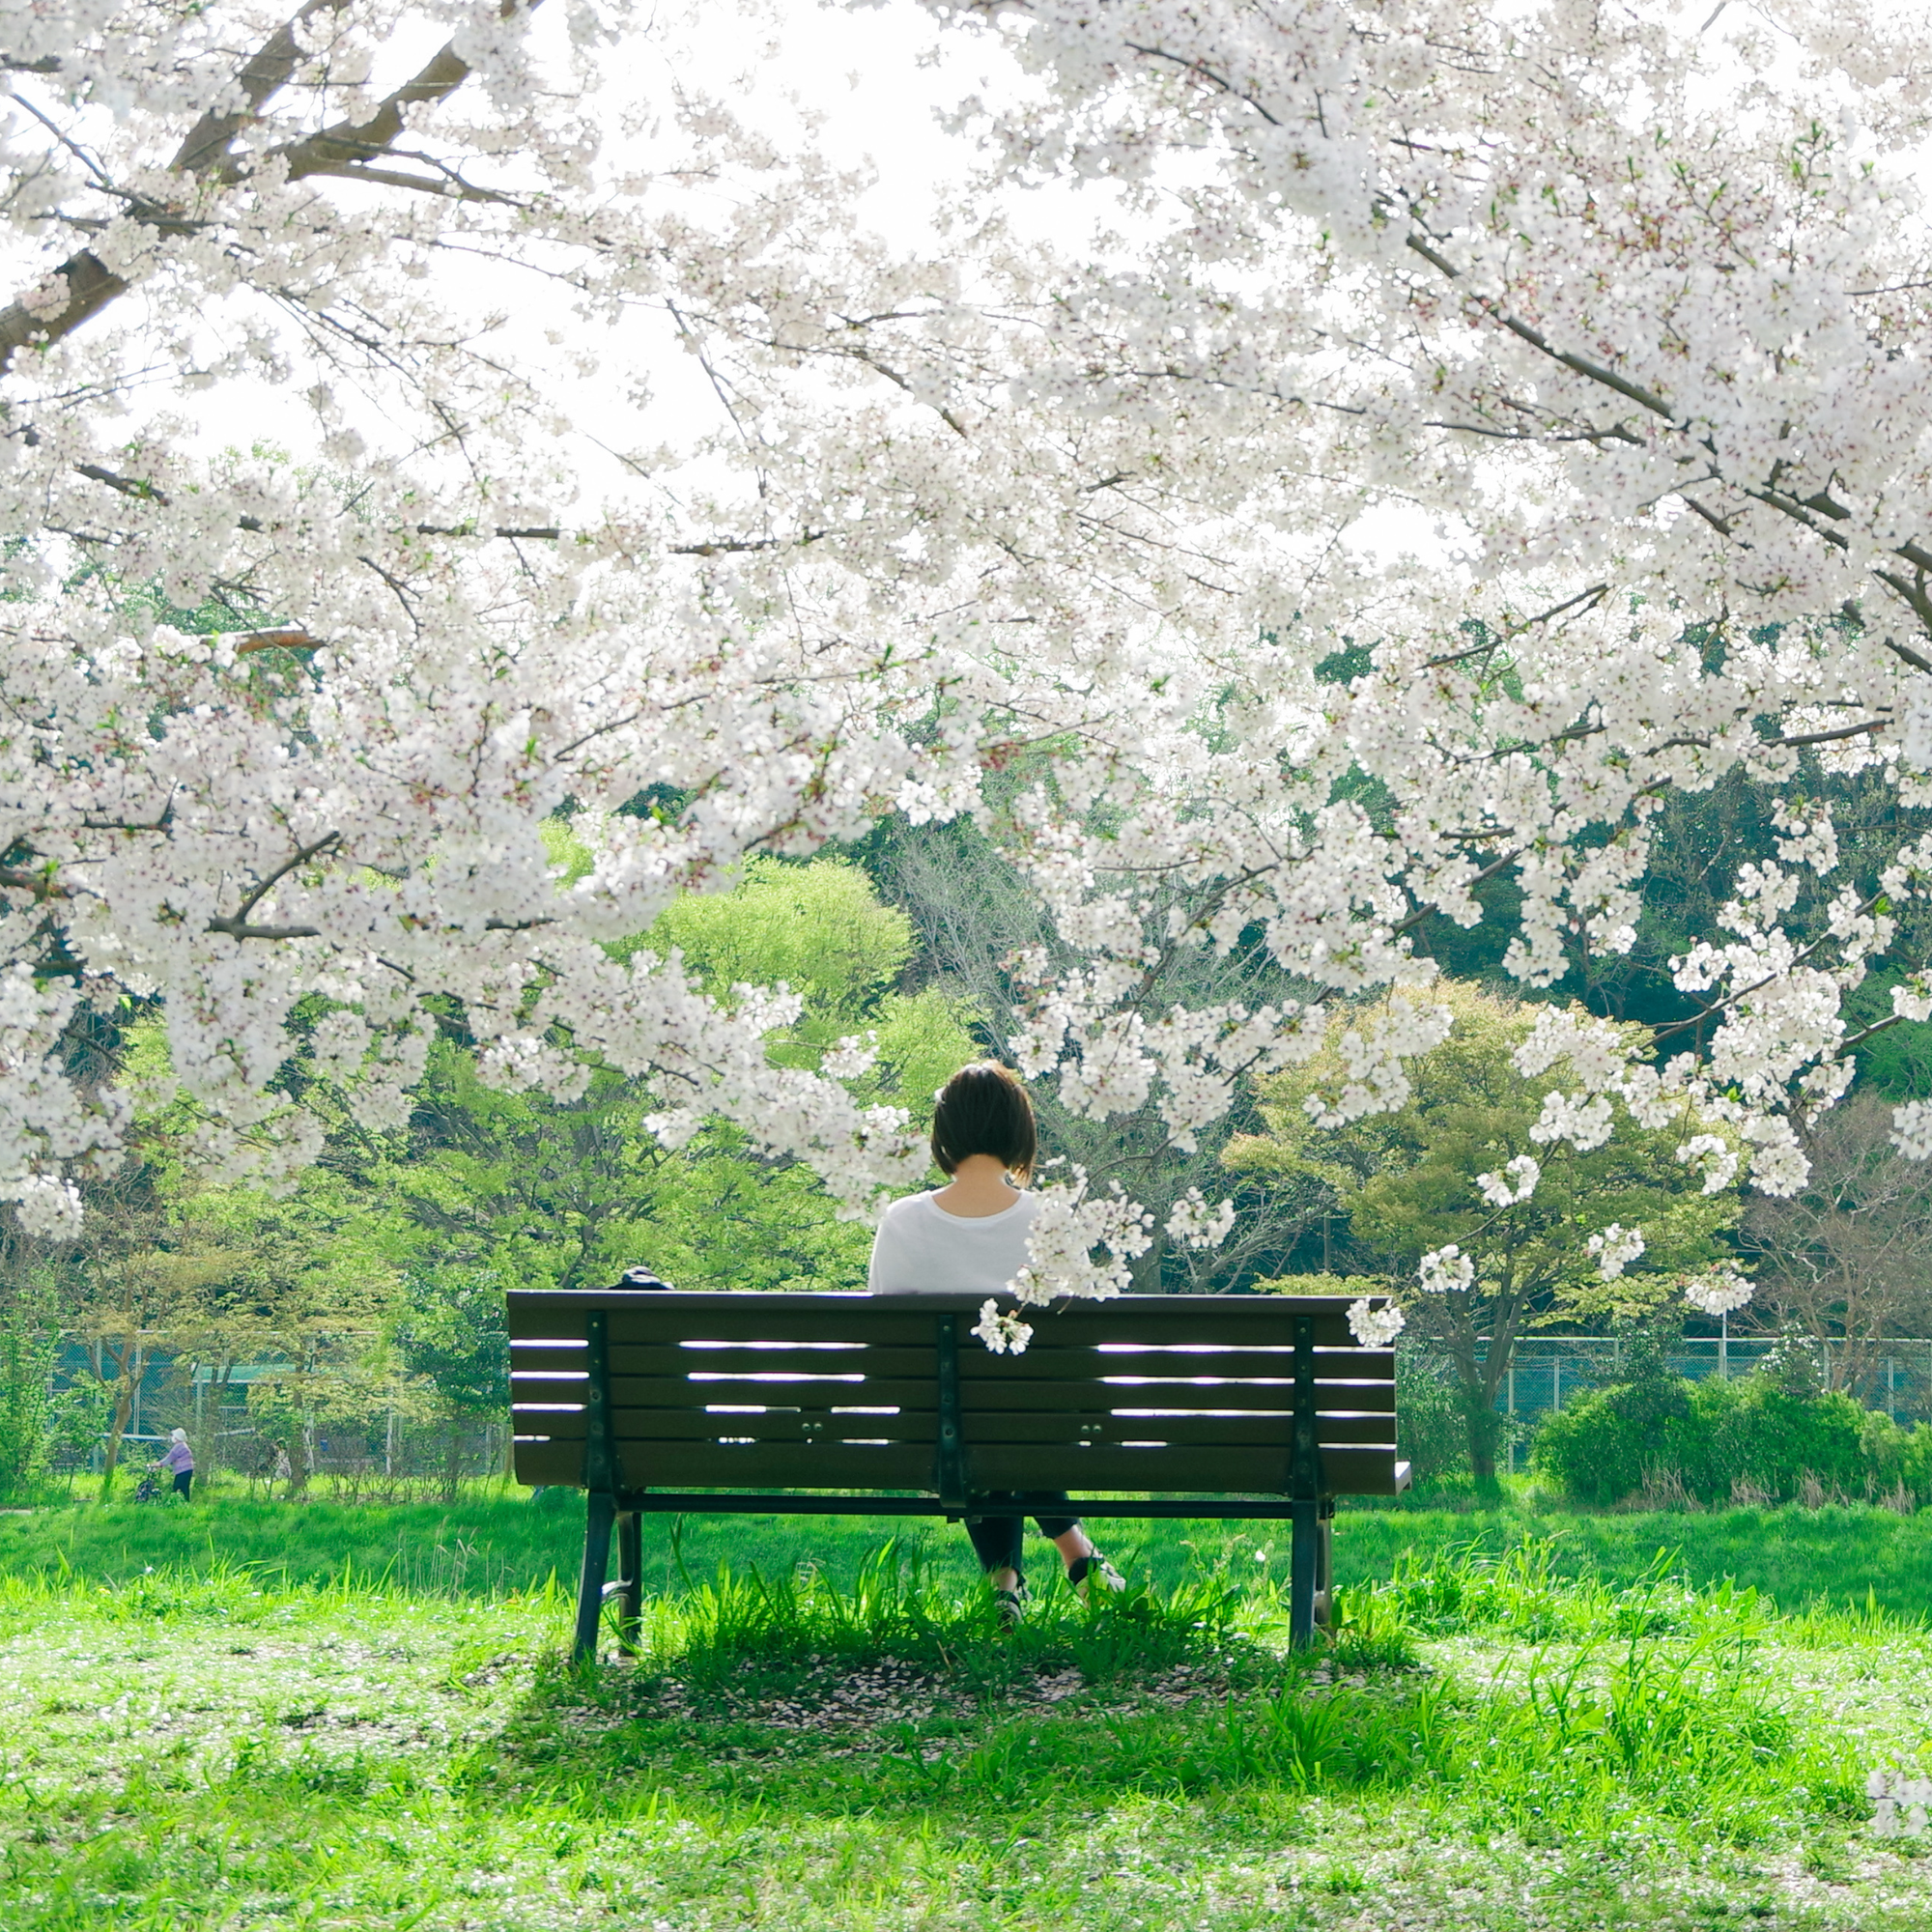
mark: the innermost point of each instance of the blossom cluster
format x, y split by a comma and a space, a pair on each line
1899, 1804
1443, 1270
1375, 1327
1615, 1247
1720, 1290
1075, 540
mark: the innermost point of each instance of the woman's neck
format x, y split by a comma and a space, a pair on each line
979, 1187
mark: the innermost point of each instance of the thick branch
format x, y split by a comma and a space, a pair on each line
269, 70
91, 286
235, 924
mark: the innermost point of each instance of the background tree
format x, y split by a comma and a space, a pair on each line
1487, 1205
1844, 1259
976, 923
547, 1193
1095, 515
452, 1337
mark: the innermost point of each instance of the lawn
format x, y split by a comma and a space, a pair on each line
494, 1542
1521, 1723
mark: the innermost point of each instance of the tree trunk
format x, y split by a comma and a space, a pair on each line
1147, 1269
301, 1458
1482, 1379
1480, 1410
117, 1427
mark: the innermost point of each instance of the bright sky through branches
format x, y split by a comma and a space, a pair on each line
642, 448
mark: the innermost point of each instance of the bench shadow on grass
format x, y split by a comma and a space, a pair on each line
893, 1696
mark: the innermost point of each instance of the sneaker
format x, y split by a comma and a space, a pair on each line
1010, 1606
1084, 1572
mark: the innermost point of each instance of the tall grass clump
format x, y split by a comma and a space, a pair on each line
1598, 1711
710, 1629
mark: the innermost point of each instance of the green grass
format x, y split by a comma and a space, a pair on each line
496, 1541
1518, 1734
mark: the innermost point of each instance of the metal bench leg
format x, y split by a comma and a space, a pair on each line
1324, 1565
590, 1585
630, 1567
1304, 1556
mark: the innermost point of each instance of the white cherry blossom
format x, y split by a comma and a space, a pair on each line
1615, 1247
1565, 389
1196, 1223
1443, 1270
1375, 1327
1722, 1291
1515, 1182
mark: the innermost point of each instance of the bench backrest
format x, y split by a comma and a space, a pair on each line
864, 1393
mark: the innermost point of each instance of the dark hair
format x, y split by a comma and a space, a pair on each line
984, 1109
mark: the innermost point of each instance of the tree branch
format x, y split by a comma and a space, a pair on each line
91, 286
266, 74
235, 924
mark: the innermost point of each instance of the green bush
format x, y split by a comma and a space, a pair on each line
1722, 1440
1431, 1425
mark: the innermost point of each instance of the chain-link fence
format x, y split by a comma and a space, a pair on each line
395, 1452
1546, 1371
375, 1454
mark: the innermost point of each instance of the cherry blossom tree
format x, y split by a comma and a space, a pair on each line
1623, 312
1617, 312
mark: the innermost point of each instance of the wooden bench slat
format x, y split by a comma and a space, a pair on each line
1377, 1397
645, 1328
637, 1392
1072, 1364
983, 1431
632, 1393
802, 1466
1087, 1326
692, 1425
976, 1368
1271, 1432
630, 1359
1360, 1471
657, 1319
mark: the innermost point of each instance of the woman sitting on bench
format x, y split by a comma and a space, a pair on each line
970, 1238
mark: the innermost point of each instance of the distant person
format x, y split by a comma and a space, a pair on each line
970, 1238
280, 1468
179, 1459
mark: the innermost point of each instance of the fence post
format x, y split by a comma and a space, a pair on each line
1556, 1381
1509, 1381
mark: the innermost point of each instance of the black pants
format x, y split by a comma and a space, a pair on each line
997, 1539
184, 1478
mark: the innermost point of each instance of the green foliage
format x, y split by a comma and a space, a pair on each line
1406, 1182
540, 1193
1432, 1415
27, 1350
1699, 839
794, 1753
452, 1334
822, 930
818, 928
1725, 1439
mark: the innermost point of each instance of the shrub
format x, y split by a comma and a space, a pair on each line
1721, 1437
1432, 1426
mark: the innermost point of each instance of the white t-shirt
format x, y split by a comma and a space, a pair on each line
921, 1249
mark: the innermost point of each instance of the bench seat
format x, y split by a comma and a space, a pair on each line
1142, 1405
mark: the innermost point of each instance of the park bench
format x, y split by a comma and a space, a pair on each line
886, 1405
